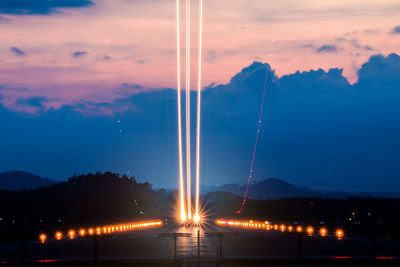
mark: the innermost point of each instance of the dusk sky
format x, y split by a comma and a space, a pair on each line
89, 85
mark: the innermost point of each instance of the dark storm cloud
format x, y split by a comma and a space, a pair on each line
326, 48
396, 30
317, 129
17, 51
77, 54
39, 7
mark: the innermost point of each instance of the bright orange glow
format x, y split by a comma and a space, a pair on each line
266, 222
198, 111
339, 233
71, 234
90, 231
323, 232
310, 230
98, 231
257, 225
82, 232
178, 73
58, 235
188, 154
42, 238
196, 218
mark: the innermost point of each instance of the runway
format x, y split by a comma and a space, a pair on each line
158, 243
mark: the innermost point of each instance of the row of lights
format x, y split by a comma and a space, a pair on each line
102, 230
266, 225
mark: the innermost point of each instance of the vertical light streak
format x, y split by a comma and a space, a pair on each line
188, 171
178, 57
197, 216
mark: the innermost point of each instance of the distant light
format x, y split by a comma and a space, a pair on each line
323, 232
58, 235
266, 222
310, 230
98, 231
196, 218
339, 233
299, 229
71, 234
42, 238
90, 231
290, 228
82, 232
276, 227
283, 228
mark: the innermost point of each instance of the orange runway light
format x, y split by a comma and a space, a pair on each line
276, 227
82, 232
42, 238
323, 232
339, 233
283, 228
90, 231
71, 234
310, 230
98, 231
290, 228
299, 229
58, 235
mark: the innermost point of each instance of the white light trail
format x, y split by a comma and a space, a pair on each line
197, 216
178, 55
188, 171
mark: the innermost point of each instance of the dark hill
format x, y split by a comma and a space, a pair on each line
276, 189
18, 180
84, 200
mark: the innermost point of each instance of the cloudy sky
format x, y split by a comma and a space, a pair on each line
88, 85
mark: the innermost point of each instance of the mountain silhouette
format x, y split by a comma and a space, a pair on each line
19, 180
274, 188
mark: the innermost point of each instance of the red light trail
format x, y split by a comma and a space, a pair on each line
258, 131
255, 143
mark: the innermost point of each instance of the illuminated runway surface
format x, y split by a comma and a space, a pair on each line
244, 243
